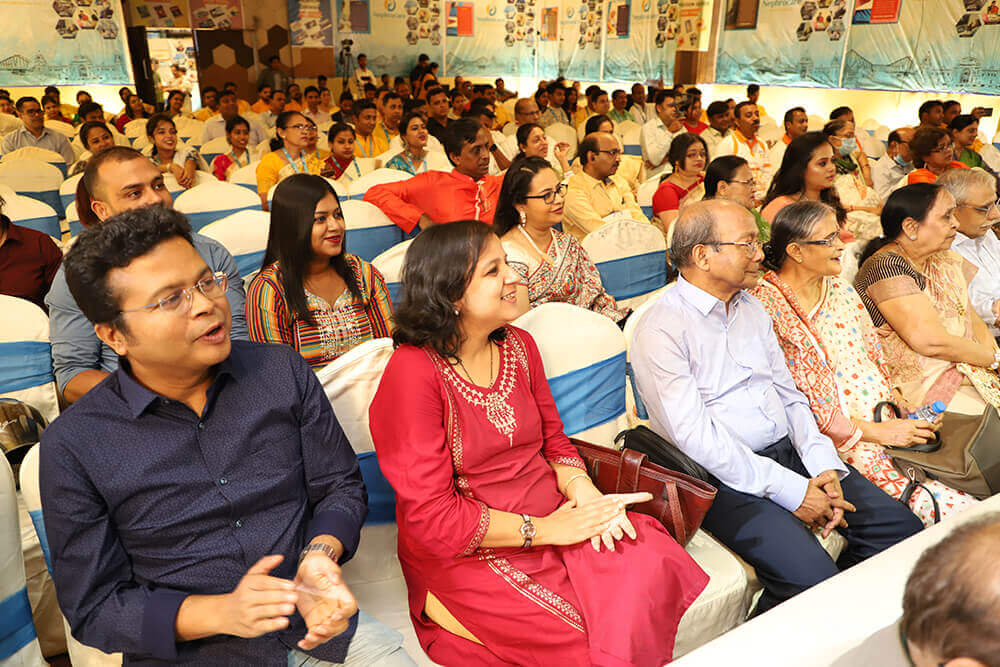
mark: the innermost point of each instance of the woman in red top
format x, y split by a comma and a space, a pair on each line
500, 528
933, 154
692, 116
134, 110
688, 155
238, 136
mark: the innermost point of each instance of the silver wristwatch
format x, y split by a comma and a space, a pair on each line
325, 548
527, 531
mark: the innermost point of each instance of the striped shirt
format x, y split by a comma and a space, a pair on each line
335, 329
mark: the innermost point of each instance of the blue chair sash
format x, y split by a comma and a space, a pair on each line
202, 218
369, 242
50, 197
252, 187
75, 227
46, 225
640, 407
590, 396
631, 276
356, 196
43, 540
65, 200
25, 364
393, 289
647, 211
17, 629
381, 497
633, 149
249, 262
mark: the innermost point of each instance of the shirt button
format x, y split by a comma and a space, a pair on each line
223, 481
238, 523
201, 426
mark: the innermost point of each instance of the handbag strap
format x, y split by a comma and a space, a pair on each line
629, 470
676, 513
924, 448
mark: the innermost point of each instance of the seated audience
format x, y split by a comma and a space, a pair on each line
53, 110
951, 604
326, 101
311, 110
91, 112
843, 376
658, 132
310, 293
34, 133
796, 124
228, 108
434, 197
263, 103
637, 104
437, 112
277, 105
743, 141
346, 112
598, 104
392, 114
720, 124
631, 168
95, 137
312, 148
553, 266
254, 492
618, 112
964, 130
753, 95
931, 115
554, 112
366, 144
739, 415
135, 109
950, 110
175, 103
916, 290
415, 158
860, 200
118, 179
341, 165
165, 155
976, 211
533, 142
238, 137
807, 171
210, 103
288, 153
455, 343
690, 111
525, 113
29, 260
82, 97
595, 192
688, 157
729, 177
842, 113
890, 169
933, 154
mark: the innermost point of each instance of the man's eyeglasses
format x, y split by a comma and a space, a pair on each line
749, 247
33, 112
614, 152
179, 302
828, 241
985, 210
304, 128
550, 196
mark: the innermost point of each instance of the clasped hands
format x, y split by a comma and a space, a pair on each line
261, 603
824, 505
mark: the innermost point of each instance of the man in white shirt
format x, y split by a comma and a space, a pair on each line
362, 74
311, 109
637, 100
554, 113
897, 162
228, 108
796, 124
709, 370
34, 132
720, 124
745, 143
658, 133
976, 211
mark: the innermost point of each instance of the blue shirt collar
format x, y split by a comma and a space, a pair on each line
702, 301
138, 397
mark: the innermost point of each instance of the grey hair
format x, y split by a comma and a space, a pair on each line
959, 182
695, 226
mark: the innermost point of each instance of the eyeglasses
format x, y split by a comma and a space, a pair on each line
304, 128
749, 247
828, 241
179, 302
748, 183
614, 152
985, 210
550, 196
942, 149
33, 112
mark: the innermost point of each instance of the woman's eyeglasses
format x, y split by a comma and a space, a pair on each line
304, 128
549, 197
827, 242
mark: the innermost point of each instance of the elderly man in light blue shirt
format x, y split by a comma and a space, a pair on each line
977, 210
715, 382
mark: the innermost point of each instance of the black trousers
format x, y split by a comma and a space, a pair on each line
785, 553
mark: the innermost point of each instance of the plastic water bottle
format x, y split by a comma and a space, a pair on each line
929, 412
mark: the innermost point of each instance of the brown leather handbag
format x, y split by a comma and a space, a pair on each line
679, 501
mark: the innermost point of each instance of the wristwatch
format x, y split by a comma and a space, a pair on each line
527, 531
996, 360
494, 148
325, 548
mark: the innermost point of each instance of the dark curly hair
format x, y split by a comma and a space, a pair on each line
438, 268
114, 245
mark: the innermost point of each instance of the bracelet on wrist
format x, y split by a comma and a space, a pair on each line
579, 475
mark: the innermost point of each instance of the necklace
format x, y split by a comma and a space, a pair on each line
409, 163
469, 375
499, 411
545, 255
907, 257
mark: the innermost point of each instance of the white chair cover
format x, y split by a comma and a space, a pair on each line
631, 257
990, 155
18, 640
137, 128
200, 178
8, 124
7, 192
244, 235
396, 145
214, 147
67, 191
204, 204
79, 654
120, 139
630, 138
771, 134
370, 232
563, 132
637, 414
39, 155
34, 178
142, 143
644, 195
26, 357
584, 357
32, 213
390, 265
872, 147
246, 176
869, 125
65, 129
359, 187
509, 129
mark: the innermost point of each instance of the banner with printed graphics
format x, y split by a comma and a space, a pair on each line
581, 28
945, 45
551, 14
491, 37
632, 51
783, 42
217, 14
694, 25
393, 32
149, 13
310, 22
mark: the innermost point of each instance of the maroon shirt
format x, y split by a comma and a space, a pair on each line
28, 262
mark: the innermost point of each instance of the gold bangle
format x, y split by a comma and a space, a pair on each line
573, 479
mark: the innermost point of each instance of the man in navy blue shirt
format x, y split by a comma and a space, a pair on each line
199, 500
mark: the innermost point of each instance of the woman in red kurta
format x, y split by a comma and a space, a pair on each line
474, 449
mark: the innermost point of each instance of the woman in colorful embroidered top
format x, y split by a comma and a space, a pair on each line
860, 200
915, 288
288, 153
835, 356
688, 155
415, 158
933, 154
500, 568
341, 164
553, 266
729, 177
310, 293
181, 163
238, 136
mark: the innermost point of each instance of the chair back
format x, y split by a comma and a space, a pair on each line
79, 654
176, 189
245, 177
120, 139
244, 235
771, 134
215, 147
631, 257
189, 128
629, 133
75, 226
38, 155
644, 195
18, 640
137, 128
872, 147
390, 265
32, 213
26, 356
359, 187
8, 124
869, 125
34, 178
563, 132
67, 191
204, 204
370, 232
584, 357
62, 128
